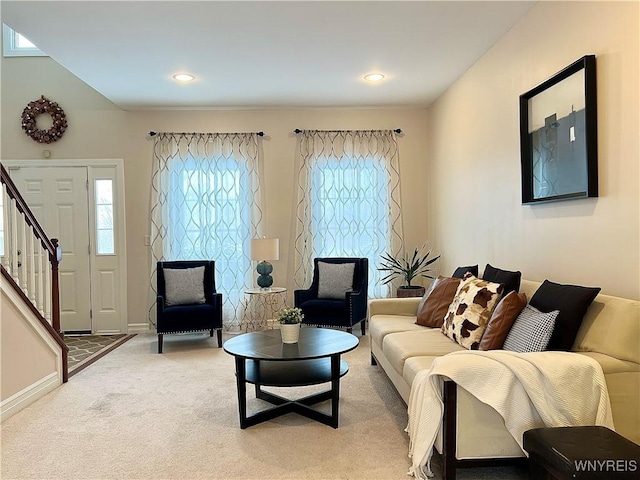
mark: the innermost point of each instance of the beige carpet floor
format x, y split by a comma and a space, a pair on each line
136, 414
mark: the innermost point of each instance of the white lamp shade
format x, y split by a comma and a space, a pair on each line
265, 249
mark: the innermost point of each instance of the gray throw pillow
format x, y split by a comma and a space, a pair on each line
334, 279
531, 331
184, 286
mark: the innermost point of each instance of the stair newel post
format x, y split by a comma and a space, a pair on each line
55, 287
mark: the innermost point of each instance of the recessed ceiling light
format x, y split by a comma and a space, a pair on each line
184, 77
374, 77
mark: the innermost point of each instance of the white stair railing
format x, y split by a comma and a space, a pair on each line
29, 259
24, 256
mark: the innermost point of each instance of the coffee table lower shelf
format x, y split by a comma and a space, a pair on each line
298, 373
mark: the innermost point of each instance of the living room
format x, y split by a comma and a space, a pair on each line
440, 153
459, 157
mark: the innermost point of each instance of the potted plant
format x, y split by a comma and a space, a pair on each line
408, 267
290, 319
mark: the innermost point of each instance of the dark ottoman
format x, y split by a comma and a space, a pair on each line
581, 452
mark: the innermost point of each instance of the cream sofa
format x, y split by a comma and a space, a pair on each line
610, 333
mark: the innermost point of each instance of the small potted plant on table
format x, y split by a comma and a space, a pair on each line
408, 267
290, 319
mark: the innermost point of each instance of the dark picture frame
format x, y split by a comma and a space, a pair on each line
559, 136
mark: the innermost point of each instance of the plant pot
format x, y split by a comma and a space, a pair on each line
412, 291
290, 332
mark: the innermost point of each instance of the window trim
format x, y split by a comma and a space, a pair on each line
10, 45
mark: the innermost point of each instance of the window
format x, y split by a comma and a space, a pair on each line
205, 204
209, 215
16, 45
349, 208
348, 201
350, 213
105, 244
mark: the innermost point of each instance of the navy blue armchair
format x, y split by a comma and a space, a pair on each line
183, 303
346, 311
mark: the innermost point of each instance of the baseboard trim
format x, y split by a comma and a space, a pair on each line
28, 395
138, 327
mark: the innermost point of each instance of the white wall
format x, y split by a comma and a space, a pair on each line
26, 358
475, 213
31, 362
95, 124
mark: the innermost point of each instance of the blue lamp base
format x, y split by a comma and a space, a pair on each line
265, 280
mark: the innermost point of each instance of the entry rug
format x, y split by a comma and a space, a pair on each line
86, 349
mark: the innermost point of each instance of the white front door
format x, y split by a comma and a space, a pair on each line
58, 198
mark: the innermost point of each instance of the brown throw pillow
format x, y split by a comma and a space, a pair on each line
437, 303
501, 320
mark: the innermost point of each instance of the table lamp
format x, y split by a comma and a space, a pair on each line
262, 250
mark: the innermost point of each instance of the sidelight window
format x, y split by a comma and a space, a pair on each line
104, 217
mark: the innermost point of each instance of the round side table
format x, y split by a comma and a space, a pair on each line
262, 305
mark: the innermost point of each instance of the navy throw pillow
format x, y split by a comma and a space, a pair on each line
510, 280
461, 271
572, 301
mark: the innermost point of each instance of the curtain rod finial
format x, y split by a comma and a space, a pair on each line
152, 133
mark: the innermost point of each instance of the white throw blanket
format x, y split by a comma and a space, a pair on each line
529, 390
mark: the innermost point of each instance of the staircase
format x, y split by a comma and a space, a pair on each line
34, 355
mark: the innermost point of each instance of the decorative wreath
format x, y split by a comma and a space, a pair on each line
38, 107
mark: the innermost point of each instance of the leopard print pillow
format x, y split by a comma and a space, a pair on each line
470, 312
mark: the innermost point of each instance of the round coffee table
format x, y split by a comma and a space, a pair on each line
263, 360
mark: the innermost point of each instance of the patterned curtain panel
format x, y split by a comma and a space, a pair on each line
206, 204
348, 201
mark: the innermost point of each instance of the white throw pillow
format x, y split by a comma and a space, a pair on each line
335, 279
531, 331
184, 286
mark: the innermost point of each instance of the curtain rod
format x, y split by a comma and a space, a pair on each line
297, 130
153, 134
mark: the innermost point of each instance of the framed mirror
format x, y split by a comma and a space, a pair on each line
558, 136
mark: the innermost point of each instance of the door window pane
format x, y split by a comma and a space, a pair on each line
104, 217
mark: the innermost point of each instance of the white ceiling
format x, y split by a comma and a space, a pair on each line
265, 54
